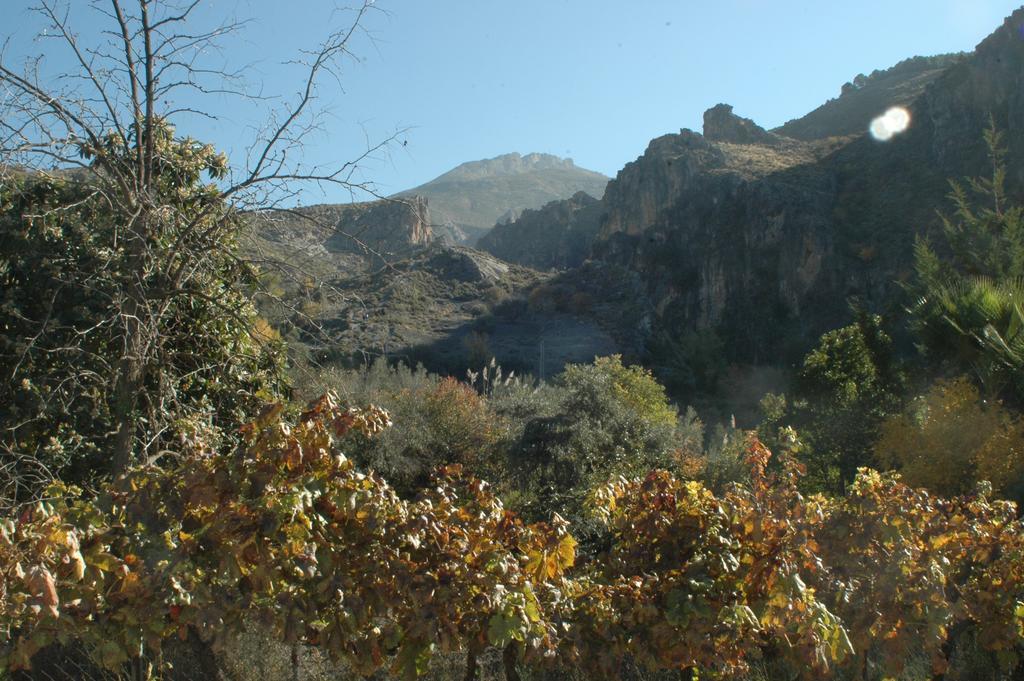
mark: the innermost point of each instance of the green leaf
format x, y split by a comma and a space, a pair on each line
503, 628
413, 659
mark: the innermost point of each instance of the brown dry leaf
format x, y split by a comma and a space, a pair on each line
41, 585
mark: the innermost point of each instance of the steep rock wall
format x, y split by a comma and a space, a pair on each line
766, 240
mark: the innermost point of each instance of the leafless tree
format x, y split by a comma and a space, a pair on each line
107, 124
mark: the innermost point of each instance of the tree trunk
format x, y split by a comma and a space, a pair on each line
472, 670
126, 390
509, 657
131, 367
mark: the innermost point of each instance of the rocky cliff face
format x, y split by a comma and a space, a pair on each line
383, 226
556, 236
376, 229
724, 234
764, 238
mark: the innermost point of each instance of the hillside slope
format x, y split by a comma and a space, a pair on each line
869, 96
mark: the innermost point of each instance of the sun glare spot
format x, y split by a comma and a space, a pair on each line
891, 123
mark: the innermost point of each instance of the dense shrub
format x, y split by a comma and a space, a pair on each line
949, 439
287, 530
845, 388
610, 419
441, 421
111, 347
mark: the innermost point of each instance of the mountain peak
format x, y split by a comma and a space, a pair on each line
507, 164
475, 195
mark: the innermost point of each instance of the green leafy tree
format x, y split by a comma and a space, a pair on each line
845, 388
70, 273
127, 323
611, 418
967, 304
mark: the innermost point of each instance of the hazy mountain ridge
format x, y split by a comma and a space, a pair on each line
473, 196
506, 164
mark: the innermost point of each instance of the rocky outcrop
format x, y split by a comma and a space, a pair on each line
466, 265
382, 226
377, 229
511, 215
673, 165
722, 125
764, 238
556, 236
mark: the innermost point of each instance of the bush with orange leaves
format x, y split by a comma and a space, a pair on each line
949, 439
442, 421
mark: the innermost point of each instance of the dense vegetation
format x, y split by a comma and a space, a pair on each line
85, 299
626, 533
289, 529
159, 484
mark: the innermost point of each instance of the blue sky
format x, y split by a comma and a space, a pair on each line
594, 80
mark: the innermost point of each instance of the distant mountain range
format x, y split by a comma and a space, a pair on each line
467, 201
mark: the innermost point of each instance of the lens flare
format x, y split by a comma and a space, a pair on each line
891, 123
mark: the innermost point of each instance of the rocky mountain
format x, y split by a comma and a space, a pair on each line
740, 238
764, 236
326, 238
467, 200
556, 236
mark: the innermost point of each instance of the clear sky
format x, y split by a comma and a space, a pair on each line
593, 80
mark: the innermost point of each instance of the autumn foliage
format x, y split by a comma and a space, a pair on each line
287, 530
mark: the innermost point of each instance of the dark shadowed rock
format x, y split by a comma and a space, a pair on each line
556, 236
